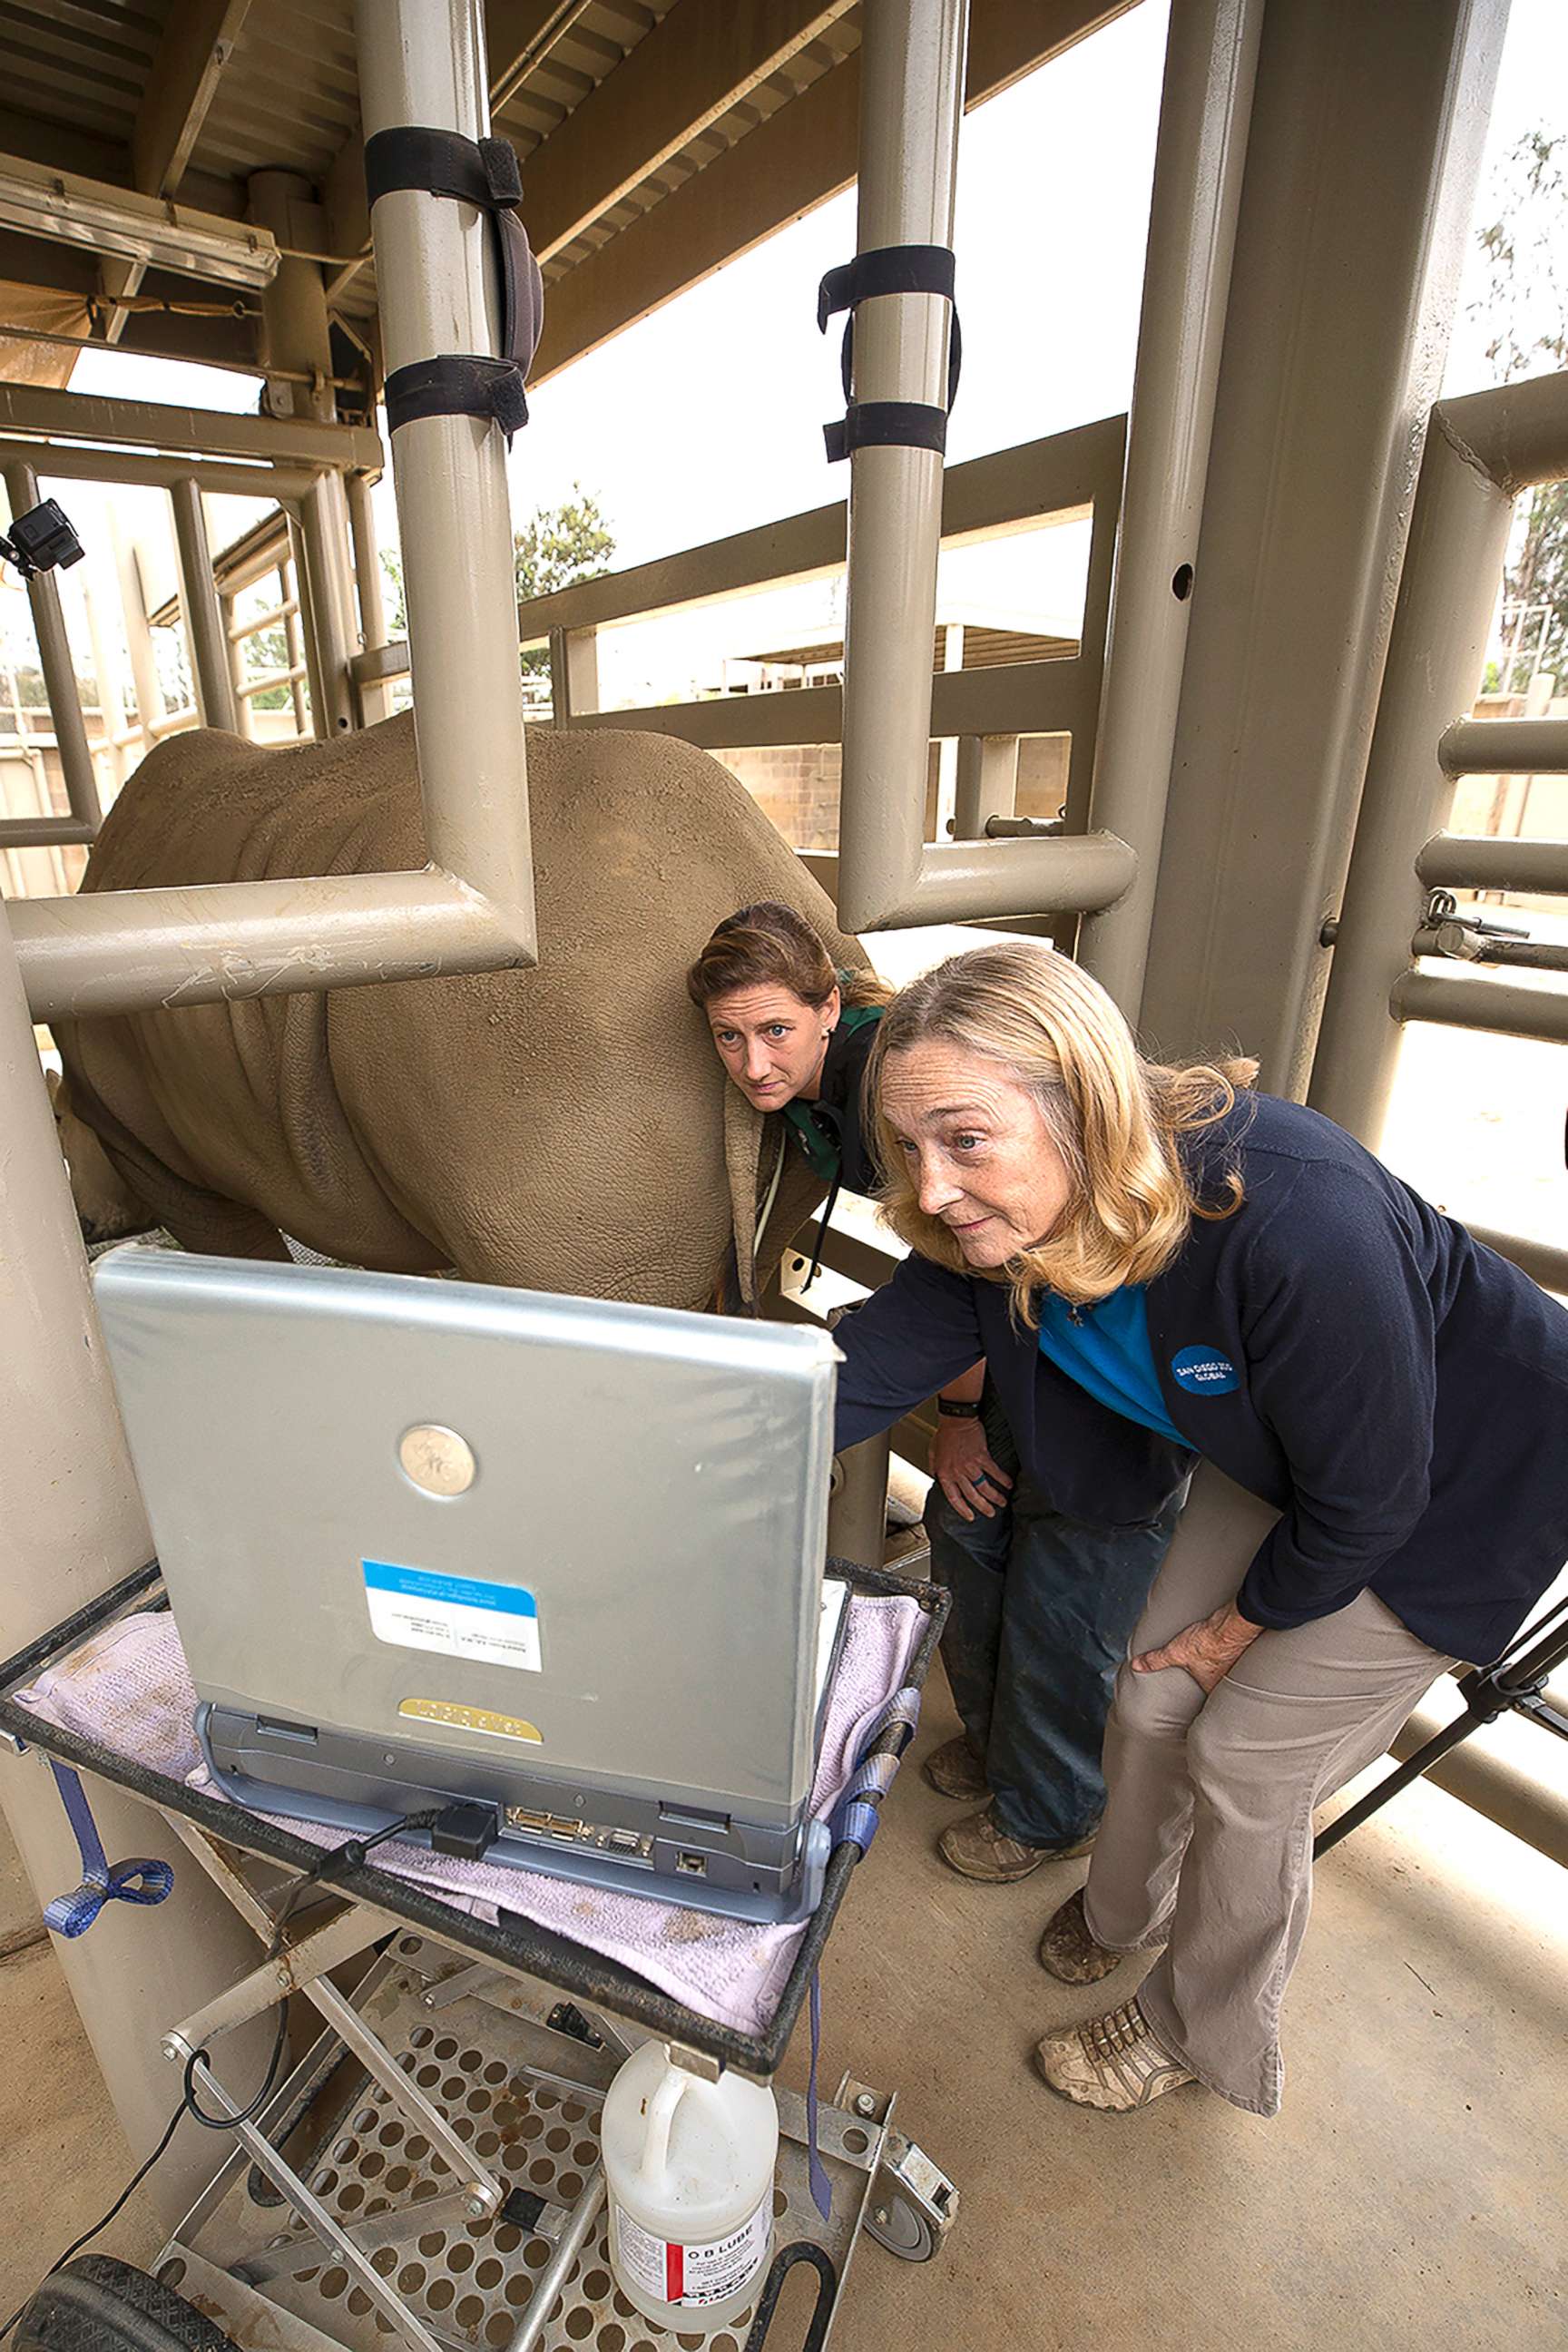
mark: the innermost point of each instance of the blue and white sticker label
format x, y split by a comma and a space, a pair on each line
459, 1616
1204, 1372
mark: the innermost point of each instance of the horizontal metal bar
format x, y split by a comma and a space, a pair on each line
967, 881
140, 949
1481, 861
1505, 747
1490, 1785
1008, 490
1517, 432
207, 433
1544, 1262
1039, 698
1462, 1001
268, 680
239, 630
378, 662
1523, 955
136, 468
44, 833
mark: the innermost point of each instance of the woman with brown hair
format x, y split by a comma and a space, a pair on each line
1378, 1407
1043, 1600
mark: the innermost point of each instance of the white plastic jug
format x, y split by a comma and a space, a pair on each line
689, 2168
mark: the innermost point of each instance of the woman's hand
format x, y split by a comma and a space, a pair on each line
963, 1467
1207, 1649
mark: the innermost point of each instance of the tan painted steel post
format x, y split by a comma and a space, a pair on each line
1452, 564
73, 1524
422, 61
205, 632
56, 661
324, 534
296, 331
1326, 381
375, 699
912, 89
987, 783
1211, 62
138, 635
857, 1508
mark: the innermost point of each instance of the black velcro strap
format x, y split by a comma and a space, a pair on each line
886, 269
461, 384
889, 424
482, 172
886, 424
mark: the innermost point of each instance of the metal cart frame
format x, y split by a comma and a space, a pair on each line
321, 2248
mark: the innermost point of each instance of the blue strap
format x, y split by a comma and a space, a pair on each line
816, 2171
857, 1813
128, 1881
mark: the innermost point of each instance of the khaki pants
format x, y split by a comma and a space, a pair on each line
1206, 1844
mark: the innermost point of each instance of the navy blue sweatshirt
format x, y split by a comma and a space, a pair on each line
1336, 1347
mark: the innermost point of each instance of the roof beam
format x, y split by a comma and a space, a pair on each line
699, 61
789, 164
197, 43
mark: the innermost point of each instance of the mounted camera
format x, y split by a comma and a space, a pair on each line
40, 540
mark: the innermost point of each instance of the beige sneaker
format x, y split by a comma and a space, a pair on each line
953, 1769
979, 1848
1113, 2062
1069, 1952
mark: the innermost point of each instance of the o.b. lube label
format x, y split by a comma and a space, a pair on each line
693, 2275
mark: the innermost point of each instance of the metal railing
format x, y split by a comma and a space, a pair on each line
1400, 922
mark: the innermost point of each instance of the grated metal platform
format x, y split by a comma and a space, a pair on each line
526, 2096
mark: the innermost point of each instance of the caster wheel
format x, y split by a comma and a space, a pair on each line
900, 2226
99, 2304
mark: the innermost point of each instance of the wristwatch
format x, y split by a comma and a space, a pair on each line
957, 1409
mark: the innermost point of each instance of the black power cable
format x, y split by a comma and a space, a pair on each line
352, 1851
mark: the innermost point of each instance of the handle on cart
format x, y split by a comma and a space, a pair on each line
784, 2261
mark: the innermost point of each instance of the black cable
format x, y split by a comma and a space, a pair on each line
352, 1851
131, 2186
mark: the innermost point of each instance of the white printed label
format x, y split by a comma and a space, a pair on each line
668, 2272
460, 1616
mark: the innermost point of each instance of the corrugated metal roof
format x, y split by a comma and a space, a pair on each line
83, 63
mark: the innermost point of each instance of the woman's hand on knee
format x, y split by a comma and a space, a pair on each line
962, 1464
1207, 1649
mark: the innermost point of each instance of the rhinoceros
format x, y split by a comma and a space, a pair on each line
567, 1127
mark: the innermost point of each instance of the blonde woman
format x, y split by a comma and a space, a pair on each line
1377, 1407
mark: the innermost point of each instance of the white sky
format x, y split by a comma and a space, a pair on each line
706, 418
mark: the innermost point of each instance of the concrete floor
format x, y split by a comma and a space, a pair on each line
1412, 2189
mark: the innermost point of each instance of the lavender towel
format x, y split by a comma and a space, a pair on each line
128, 1688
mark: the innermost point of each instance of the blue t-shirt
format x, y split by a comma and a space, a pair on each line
1105, 1348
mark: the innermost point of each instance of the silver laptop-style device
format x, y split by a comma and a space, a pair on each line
554, 1563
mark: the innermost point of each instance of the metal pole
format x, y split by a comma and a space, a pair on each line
205, 632
1325, 385
375, 699
1458, 537
912, 90
1466, 861
858, 1510
329, 619
1461, 1000
305, 623
74, 1524
138, 635
296, 331
531, 2328
1504, 747
986, 784
59, 669
422, 61
1211, 63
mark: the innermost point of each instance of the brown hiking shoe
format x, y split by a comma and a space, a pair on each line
1113, 2062
1068, 1951
953, 1769
979, 1848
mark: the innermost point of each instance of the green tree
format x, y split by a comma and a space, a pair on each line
556, 546
1524, 312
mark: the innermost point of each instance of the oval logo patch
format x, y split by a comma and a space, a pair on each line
1204, 1372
